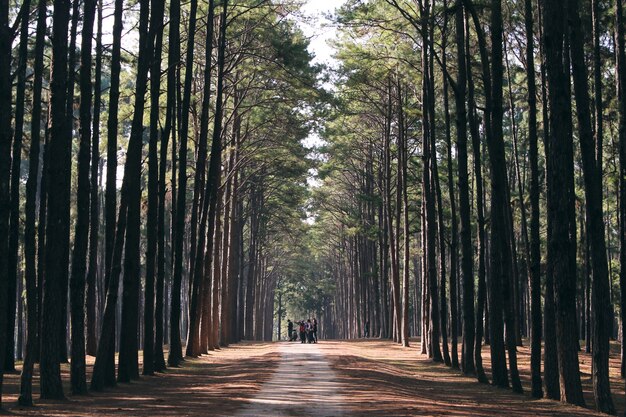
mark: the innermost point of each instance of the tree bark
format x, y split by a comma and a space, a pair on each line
94, 231
592, 174
467, 256
30, 248
128, 366
560, 174
56, 228
5, 166
535, 243
81, 233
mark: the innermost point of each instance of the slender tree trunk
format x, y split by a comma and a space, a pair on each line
81, 233
454, 239
128, 367
176, 352
156, 36
621, 85
480, 216
92, 272
560, 174
592, 174
467, 256
107, 362
196, 344
30, 249
56, 230
169, 128
5, 166
16, 163
403, 160
535, 243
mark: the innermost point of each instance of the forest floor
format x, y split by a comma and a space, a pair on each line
333, 378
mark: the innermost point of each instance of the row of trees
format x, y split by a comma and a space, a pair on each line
474, 184
165, 176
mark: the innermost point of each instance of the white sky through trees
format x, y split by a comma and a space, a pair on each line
319, 29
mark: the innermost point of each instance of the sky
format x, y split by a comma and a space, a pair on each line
318, 28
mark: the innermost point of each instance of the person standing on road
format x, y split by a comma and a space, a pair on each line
314, 330
309, 331
289, 330
302, 332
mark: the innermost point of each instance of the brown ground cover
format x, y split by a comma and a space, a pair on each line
386, 379
376, 378
214, 384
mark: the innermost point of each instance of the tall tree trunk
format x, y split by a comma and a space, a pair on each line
560, 174
467, 256
535, 243
176, 352
480, 216
173, 59
196, 344
5, 167
56, 228
110, 210
16, 163
621, 85
550, 362
156, 36
454, 239
81, 233
30, 249
429, 195
592, 174
128, 366
94, 231
403, 161
70, 127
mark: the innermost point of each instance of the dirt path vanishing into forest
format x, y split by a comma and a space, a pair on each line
365, 378
303, 384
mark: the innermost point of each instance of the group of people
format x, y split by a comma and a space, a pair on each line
306, 331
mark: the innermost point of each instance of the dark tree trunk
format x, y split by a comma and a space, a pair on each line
467, 256
156, 44
176, 350
592, 174
560, 174
111, 189
81, 233
403, 184
535, 243
169, 128
57, 230
94, 231
621, 85
30, 249
5, 166
550, 361
502, 257
128, 367
429, 194
480, 217
16, 163
195, 344
71, 125
104, 368
454, 239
